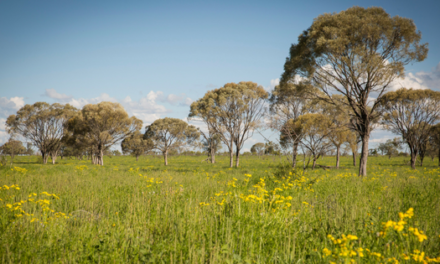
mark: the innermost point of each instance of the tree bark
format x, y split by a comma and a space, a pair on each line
364, 156
165, 157
137, 157
294, 154
237, 157
231, 158
439, 157
314, 163
354, 159
212, 155
413, 159
337, 157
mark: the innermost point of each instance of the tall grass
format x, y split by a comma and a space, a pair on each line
194, 212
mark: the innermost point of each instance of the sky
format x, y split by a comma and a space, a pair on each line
156, 57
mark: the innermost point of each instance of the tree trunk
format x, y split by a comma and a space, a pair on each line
212, 155
354, 159
314, 163
413, 159
237, 157
137, 157
439, 157
53, 155
101, 158
165, 157
231, 157
294, 154
364, 156
337, 156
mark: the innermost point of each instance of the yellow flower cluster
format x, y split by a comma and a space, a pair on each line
343, 248
17, 210
21, 170
151, 181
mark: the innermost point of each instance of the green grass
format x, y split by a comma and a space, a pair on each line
190, 212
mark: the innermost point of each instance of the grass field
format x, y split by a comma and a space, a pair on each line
194, 212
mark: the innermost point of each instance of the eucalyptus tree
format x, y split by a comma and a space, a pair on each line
211, 143
169, 134
12, 148
287, 103
43, 125
233, 112
315, 129
358, 53
390, 147
258, 148
352, 142
410, 114
434, 139
136, 145
101, 126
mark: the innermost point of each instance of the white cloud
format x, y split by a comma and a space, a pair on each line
10, 106
55, 95
273, 83
409, 81
430, 79
145, 108
174, 98
188, 101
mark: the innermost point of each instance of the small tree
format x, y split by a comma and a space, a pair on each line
258, 149
211, 144
434, 139
43, 125
315, 129
353, 141
233, 112
410, 114
135, 145
168, 134
13, 148
287, 103
100, 126
390, 147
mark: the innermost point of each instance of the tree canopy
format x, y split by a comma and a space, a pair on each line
168, 133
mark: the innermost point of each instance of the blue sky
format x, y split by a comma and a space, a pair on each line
155, 57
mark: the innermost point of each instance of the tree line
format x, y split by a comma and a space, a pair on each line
335, 89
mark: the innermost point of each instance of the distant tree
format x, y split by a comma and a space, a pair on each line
315, 129
211, 143
12, 148
101, 126
43, 125
434, 139
271, 148
390, 147
29, 150
233, 112
353, 141
168, 134
287, 103
410, 114
136, 145
357, 52
258, 149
